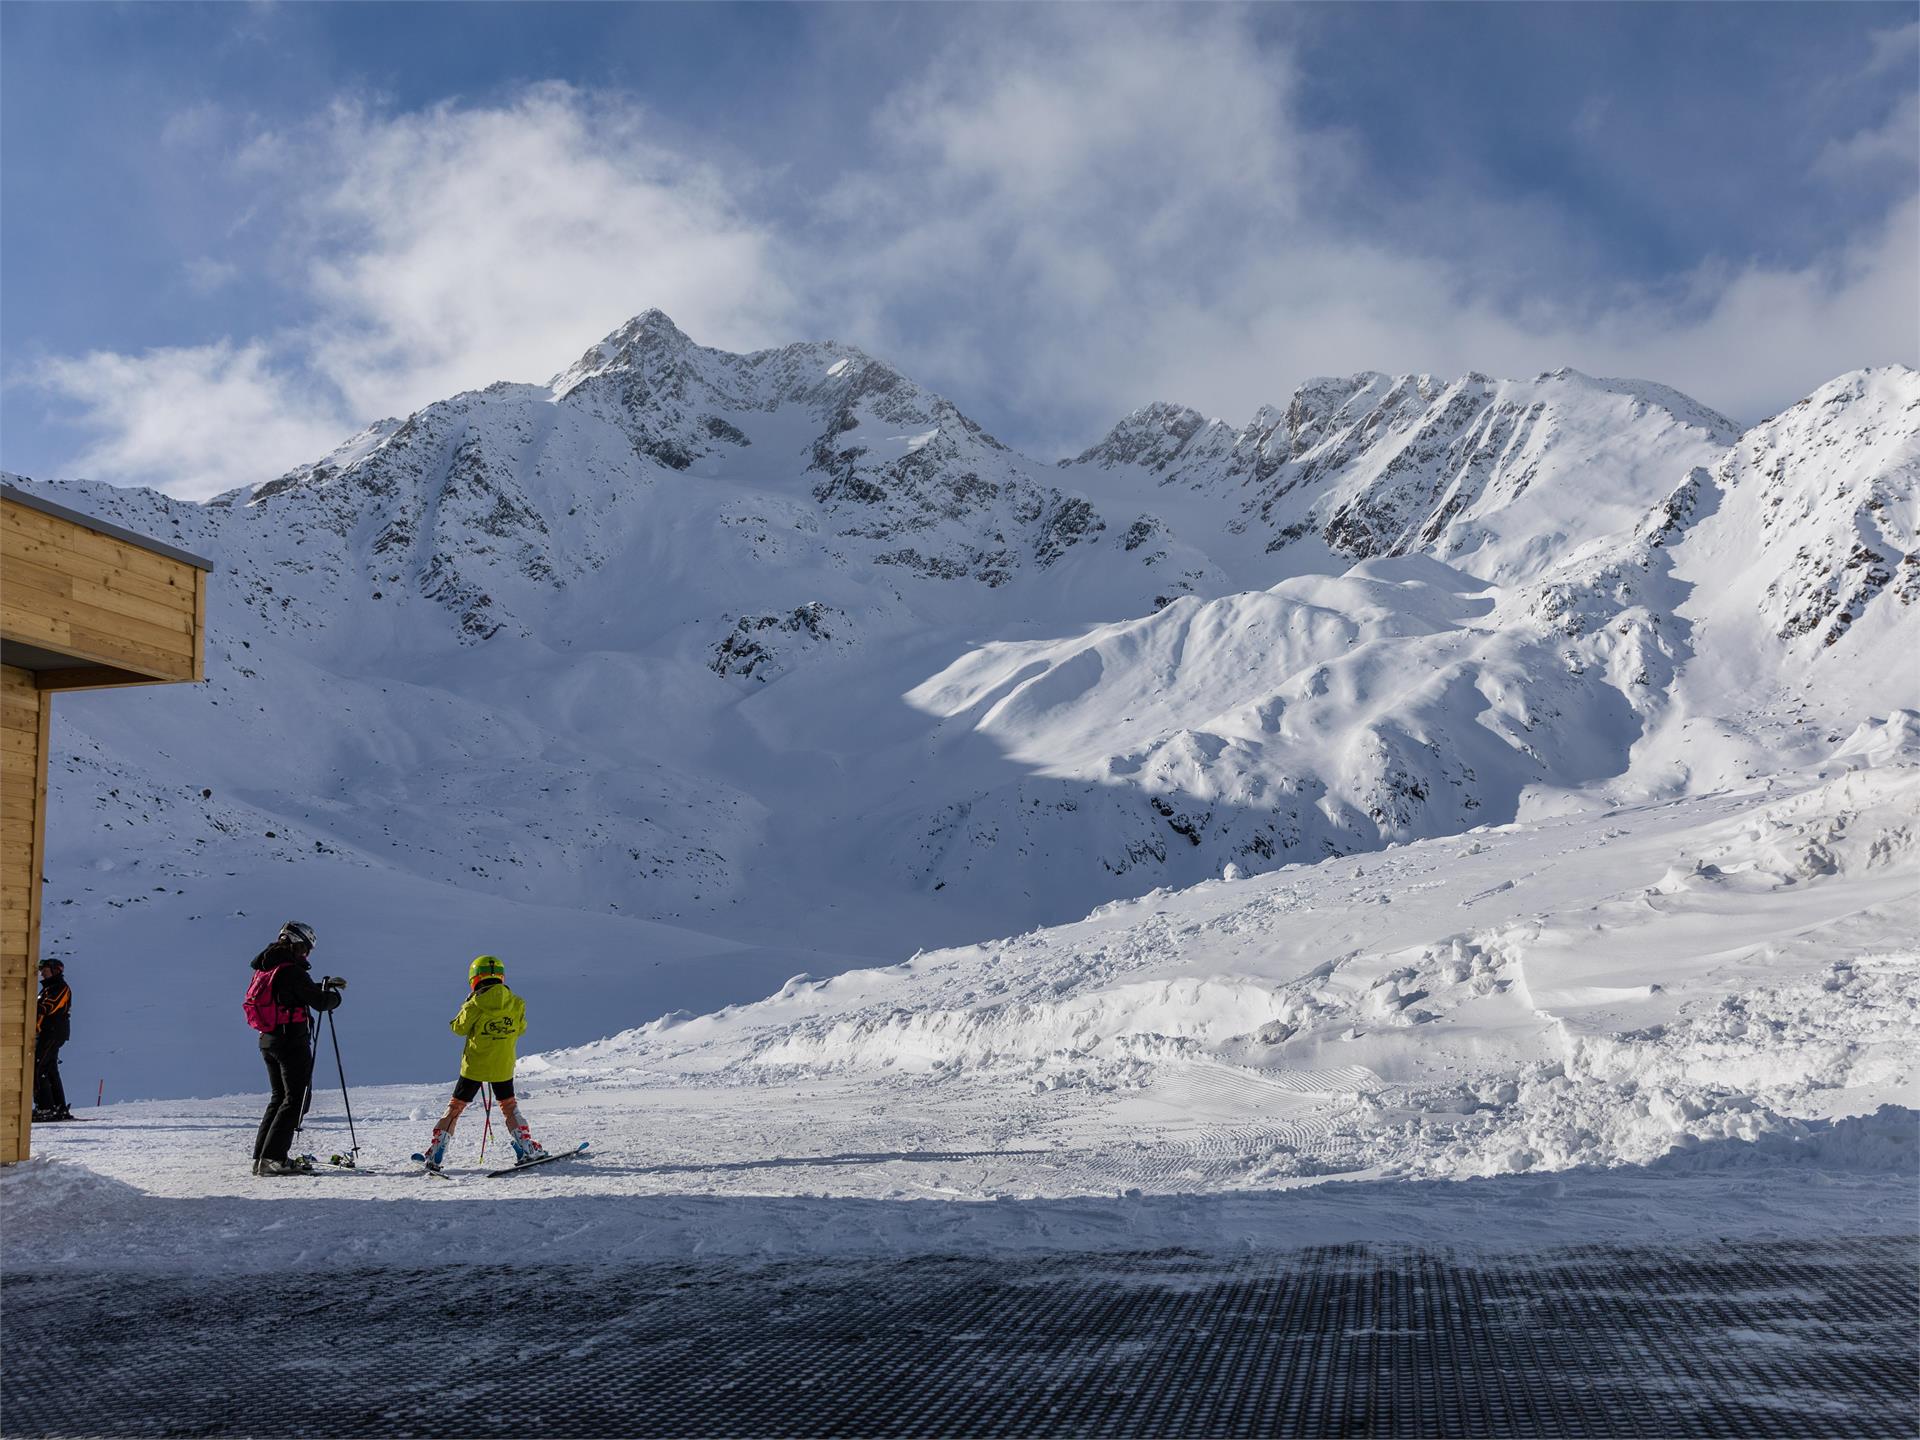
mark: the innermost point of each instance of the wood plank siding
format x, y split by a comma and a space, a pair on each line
83, 605
97, 598
24, 713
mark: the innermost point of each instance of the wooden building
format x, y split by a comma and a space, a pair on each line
84, 605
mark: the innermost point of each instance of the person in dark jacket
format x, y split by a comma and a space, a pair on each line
52, 1024
286, 1043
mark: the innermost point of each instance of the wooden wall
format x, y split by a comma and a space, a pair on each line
24, 712
100, 600
79, 609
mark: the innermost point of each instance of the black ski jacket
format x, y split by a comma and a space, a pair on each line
53, 1021
294, 985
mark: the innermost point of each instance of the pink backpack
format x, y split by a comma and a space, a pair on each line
263, 1012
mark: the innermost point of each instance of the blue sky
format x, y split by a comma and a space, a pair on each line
232, 234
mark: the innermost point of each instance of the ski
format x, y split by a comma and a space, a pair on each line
430, 1168
546, 1159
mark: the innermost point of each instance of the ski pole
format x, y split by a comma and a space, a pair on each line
341, 1067
101, 1093
486, 1104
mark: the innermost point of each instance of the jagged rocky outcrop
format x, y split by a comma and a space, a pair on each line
758, 647
1493, 474
1831, 484
887, 460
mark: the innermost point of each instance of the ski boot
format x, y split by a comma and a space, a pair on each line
526, 1149
435, 1155
291, 1166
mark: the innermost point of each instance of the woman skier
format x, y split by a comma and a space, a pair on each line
492, 1018
278, 1000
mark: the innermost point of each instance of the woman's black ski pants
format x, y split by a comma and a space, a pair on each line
288, 1052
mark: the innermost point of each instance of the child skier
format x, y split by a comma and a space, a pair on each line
492, 1018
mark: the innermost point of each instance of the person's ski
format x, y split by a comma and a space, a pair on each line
546, 1159
429, 1168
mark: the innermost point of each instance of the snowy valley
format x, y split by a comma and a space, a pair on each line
1424, 780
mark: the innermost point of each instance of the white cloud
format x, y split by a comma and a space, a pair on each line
1771, 334
1748, 342
1056, 123
434, 252
1898, 45
201, 419
1102, 221
1048, 189
1888, 151
467, 245
1052, 221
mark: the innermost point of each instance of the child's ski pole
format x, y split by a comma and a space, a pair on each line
486, 1104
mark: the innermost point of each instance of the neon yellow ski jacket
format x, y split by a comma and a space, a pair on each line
491, 1019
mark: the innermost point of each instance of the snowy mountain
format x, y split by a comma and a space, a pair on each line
1495, 476
688, 670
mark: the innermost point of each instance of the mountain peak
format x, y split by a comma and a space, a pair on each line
1151, 436
652, 326
650, 335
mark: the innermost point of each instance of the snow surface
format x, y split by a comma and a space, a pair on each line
851, 798
1679, 1020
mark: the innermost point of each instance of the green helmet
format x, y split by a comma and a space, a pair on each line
486, 967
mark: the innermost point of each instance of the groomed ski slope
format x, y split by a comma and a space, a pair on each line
1687, 1019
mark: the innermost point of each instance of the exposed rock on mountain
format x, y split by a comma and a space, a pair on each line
890, 461
1832, 483
1494, 474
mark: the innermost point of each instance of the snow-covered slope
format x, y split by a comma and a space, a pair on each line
1601, 989
1675, 1021
689, 670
